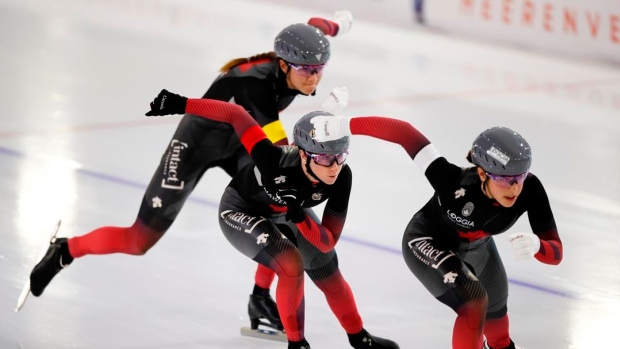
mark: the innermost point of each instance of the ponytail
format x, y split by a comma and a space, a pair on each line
238, 61
468, 157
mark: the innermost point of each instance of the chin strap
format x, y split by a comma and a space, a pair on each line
485, 188
310, 172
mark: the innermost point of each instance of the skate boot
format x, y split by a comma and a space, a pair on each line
298, 345
364, 340
511, 346
264, 307
56, 258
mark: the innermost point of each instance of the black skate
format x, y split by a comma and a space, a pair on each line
364, 340
45, 249
263, 307
49, 266
511, 346
303, 344
263, 312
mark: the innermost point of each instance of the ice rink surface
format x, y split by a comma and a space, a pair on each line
77, 77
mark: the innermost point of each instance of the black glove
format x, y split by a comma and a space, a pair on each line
294, 203
295, 214
167, 103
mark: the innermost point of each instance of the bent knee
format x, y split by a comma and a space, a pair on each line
289, 264
472, 299
140, 250
141, 239
474, 311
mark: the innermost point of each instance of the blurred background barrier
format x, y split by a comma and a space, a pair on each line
581, 29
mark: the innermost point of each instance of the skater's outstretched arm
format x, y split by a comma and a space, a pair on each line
340, 25
261, 149
435, 167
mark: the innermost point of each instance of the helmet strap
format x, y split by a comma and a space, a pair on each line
287, 74
485, 188
288, 68
310, 172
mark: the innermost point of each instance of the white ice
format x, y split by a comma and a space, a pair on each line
77, 77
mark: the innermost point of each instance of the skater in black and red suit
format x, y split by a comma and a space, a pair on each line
264, 85
448, 244
263, 213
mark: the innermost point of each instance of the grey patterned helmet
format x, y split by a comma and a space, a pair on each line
302, 44
501, 151
304, 130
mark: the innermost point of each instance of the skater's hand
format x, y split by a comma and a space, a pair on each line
337, 99
524, 245
294, 203
295, 214
330, 127
167, 103
344, 19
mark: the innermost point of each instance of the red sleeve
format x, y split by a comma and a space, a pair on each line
551, 250
324, 25
245, 126
542, 221
391, 130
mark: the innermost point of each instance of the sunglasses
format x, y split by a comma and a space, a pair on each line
508, 181
308, 70
328, 160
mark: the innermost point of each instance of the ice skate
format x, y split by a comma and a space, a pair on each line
303, 344
364, 340
511, 346
55, 259
47, 251
264, 319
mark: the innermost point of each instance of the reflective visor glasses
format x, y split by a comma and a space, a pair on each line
328, 160
507, 181
308, 70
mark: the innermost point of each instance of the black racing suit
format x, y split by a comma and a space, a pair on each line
252, 216
451, 236
448, 244
200, 144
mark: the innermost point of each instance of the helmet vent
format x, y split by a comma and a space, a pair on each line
298, 43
